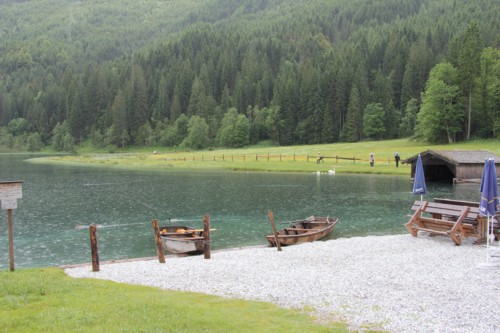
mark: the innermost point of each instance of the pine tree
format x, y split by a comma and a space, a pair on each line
351, 131
469, 65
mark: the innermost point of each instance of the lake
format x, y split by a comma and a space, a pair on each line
58, 200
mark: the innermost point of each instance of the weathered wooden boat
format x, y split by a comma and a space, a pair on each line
308, 230
180, 239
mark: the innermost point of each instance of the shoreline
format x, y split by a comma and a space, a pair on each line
397, 283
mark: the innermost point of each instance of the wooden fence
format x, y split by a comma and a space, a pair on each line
264, 157
250, 157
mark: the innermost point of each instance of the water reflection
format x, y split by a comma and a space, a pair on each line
58, 199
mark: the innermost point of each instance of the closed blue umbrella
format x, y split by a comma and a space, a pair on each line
419, 179
490, 203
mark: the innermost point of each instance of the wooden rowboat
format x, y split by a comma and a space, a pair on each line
308, 230
182, 239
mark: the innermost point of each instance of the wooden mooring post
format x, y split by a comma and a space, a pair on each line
206, 236
159, 246
273, 226
93, 248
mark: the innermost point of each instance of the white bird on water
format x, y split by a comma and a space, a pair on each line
331, 172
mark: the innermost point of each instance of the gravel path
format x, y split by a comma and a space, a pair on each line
397, 283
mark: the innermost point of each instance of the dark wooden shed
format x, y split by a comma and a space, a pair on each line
453, 165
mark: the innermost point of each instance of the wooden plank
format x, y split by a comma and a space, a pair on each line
457, 229
438, 205
410, 224
444, 209
299, 229
456, 202
433, 231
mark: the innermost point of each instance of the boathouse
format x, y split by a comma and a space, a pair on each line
453, 165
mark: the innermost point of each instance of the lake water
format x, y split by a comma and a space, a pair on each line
58, 199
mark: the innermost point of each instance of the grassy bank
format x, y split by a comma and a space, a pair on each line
47, 300
343, 157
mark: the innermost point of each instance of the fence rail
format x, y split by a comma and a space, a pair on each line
268, 157
248, 158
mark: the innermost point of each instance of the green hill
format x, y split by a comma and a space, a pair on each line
232, 73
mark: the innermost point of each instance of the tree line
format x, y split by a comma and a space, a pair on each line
229, 74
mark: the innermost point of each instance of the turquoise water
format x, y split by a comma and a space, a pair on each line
58, 199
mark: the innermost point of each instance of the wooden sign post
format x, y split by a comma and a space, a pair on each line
9, 193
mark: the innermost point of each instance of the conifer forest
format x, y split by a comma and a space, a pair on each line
199, 74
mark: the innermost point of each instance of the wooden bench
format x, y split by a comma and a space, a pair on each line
481, 220
455, 221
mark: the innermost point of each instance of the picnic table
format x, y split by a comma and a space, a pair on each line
452, 218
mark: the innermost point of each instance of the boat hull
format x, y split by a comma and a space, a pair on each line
308, 230
182, 239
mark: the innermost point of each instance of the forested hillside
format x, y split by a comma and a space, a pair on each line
229, 73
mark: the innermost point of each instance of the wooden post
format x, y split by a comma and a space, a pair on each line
9, 193
11, 240
268, 157
93, 248
337, 159
159, 246
206, 236
256, 157
273, 226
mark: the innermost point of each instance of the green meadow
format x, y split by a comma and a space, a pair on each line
47, 300
343, 157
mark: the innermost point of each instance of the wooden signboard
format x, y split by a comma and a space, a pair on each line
9, 193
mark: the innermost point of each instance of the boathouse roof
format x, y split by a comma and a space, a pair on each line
456, 165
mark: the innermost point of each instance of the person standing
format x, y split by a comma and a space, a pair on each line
397, 158
319, 159
372, 159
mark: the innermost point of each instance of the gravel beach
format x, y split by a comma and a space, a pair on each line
397, 283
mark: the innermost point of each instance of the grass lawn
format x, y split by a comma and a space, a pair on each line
343, 157
47, 300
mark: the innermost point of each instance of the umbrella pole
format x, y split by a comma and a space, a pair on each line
488, 239
488, 262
